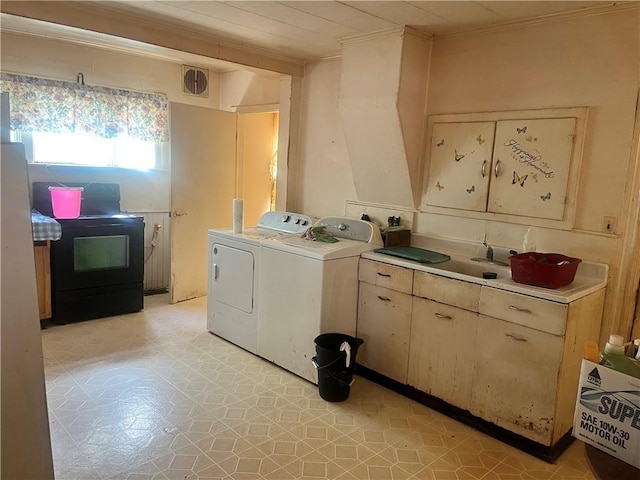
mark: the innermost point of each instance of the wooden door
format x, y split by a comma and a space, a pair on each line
203, 181
459, 166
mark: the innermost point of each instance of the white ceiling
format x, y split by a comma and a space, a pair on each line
312, 29
300, 30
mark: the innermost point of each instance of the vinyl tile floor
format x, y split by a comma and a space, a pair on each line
153, 395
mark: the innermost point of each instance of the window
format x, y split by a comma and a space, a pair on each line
66, 123
90, 150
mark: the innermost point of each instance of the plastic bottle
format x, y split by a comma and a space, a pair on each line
613, 357
528, 242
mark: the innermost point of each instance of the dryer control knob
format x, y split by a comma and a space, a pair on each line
342, 227
304, 222
286, 218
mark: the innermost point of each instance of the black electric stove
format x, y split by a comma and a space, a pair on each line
97, 267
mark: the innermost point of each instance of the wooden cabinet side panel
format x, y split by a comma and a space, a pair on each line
384, 322
43, 279
583, 324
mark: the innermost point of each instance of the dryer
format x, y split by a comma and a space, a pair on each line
308, 288
233, 276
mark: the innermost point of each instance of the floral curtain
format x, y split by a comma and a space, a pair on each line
54, 106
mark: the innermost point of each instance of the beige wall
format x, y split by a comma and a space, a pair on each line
140, 191
324, 179
590, 61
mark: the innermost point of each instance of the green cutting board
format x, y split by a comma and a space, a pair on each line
416, 254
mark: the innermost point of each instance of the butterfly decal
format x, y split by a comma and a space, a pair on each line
471, 190
458, 156
440, 143
521, 130
546, 197
518, 179
480, 139
438, 186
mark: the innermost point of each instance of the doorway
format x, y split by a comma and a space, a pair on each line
216, 156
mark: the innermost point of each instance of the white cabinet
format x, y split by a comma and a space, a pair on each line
442, 350
384, 318
508, 358
527, 361
516, 165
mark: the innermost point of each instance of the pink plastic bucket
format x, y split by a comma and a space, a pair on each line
66, 201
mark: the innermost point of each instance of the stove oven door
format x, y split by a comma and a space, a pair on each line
97, 268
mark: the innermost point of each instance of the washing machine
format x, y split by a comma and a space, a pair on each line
233, 277
308, 288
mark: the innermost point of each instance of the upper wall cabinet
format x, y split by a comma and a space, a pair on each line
518, 167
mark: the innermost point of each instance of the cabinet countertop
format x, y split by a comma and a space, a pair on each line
590, 278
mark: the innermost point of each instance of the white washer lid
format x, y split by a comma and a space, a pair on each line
297, 245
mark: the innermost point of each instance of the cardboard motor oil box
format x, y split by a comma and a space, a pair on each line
608, 412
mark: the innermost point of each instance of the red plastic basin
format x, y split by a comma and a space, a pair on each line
548, 270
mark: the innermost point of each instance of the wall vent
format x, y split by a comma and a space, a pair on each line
195, 81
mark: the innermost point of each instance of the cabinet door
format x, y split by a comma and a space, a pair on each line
460, 158
384, 320
441, 351
530, 172
515, 378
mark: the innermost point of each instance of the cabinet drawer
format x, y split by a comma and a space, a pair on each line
385, 275
447, 290
531, 312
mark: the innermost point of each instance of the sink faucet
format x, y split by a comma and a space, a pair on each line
489, 255
488, 258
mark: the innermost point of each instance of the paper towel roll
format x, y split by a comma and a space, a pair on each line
237, 215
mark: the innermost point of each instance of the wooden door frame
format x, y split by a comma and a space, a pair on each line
624, 305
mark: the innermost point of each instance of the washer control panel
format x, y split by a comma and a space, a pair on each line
352, 229
286, 222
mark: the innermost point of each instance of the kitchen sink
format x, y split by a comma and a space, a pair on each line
473, 269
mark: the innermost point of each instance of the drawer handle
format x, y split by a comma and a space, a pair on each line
518, 309
384, 274
443, 317
516, 337
384, 299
